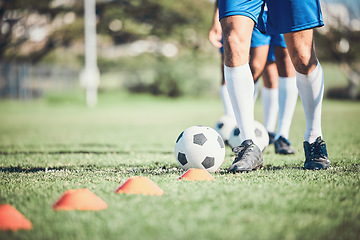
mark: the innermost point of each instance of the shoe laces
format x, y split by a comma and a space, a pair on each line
318, 149
240, 151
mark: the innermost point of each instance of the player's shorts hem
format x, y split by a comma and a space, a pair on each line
239, 13
279, 43
297, 28
264, 44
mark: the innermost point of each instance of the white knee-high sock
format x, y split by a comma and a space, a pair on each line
224, 94
240, 85
311, 90
269, 99
288, 94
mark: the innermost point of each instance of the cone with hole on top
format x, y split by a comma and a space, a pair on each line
12, 220
195, 174
79, 199
140, 185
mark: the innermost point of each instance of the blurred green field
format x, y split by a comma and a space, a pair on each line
51, 145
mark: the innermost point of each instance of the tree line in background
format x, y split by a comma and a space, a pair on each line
171, 36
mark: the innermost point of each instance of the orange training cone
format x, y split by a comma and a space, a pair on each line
140, 185
12, 219
79, 199
195, 174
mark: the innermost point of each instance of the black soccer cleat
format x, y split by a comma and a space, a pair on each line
282, 146
271, 137
316, 156
248, 157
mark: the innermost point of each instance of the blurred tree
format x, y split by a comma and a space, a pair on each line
30, 29
342, 46
339, 41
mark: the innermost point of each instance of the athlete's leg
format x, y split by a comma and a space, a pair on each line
257, 64
224, 94
237, 19
270, 75
283, 62
270, 92
297, 19
288, 92
309, 79
258, 56
237, 32
302, 51
259, 50
269, 96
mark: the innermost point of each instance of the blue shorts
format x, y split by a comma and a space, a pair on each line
271, 54
259, 39
283, 15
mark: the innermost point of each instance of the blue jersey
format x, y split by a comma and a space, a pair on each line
283, 15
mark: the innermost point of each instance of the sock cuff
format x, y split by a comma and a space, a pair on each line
316, 71
311, 77
223, 87
283, 79
229, 70
268, 90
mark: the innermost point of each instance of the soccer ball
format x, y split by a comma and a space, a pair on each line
235, 138
224, 126
261, 134
200, 147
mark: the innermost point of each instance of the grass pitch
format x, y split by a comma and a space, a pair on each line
47, 147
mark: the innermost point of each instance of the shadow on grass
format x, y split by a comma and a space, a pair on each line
110, 149
5, 153
62, 145
13, 149
334, 168
268, 168
126, 169
63, 152
25, 169
161, 169
120, 169
276, 168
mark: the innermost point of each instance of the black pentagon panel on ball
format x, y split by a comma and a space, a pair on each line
237, 132
182, 158
221, 142
181, 134
258, 133
208, 162
220, 125
199, 139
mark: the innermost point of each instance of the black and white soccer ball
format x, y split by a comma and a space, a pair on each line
235, 138
224, 126
261, 134
200, 147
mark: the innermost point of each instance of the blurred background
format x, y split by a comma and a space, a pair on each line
158, 47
